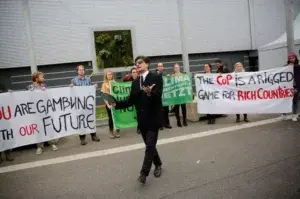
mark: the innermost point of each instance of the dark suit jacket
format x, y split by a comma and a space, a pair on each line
147, 107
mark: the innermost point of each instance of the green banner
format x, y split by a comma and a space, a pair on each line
123, 118
177, 89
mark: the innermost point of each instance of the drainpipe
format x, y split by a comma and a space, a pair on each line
27, 18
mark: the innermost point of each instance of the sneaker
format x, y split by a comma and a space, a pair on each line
39, 151
295, 118
284, 117
54, 147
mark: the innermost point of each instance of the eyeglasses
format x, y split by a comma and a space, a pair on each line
139, 62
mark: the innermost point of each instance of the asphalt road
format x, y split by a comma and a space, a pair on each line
245, 162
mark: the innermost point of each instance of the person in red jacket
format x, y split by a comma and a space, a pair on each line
131, 76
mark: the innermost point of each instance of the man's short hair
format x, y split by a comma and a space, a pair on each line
144, 58
218, 61
160, 63
36, 75
133, 68
77, 68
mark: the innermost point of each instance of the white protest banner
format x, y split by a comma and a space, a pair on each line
29, 117
269, 91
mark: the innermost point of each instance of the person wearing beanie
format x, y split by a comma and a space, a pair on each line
294, 62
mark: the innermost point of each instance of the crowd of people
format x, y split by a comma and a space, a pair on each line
38, 83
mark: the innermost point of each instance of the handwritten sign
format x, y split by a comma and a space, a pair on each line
29, 117
123, 118
269, 91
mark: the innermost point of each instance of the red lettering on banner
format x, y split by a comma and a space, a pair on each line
224, 81
5, 115
262, 94
28, 130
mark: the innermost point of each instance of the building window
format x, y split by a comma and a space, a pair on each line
113, 48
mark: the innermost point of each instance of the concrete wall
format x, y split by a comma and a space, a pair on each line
13, 37
62, 29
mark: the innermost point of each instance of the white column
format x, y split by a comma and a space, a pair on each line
28, 25
289, 26
185, 55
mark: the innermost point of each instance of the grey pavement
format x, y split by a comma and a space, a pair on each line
258, 162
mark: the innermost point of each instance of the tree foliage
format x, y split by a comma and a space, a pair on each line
113, 48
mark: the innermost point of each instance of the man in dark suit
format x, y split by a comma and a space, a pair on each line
165, 122
145, 95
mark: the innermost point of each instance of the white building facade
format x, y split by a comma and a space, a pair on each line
45, 32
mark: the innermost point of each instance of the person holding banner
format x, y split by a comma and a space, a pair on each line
165, 110
108, 78
294, 62
146, 95
238, 68
7, 153
129, 78
183, 106
132, 76
220, 67
211, 119
82, 80
38, 84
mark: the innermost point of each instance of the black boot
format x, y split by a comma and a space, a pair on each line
178, 120
238, 118
8, 156
184, 122
208, 119
179, 123
213, 121
245, 118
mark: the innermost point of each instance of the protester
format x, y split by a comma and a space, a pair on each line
183, 106
82, 80
7, 154
129, 78
293, 61
132, 76
220, 67
211, 119
238, 68
38, 84
108, 78
165, 110
146, 95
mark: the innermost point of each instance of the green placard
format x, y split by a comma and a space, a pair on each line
123, 118
177, 89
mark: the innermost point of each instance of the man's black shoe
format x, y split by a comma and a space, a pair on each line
157, 171
161, 128
142, 179
168, 126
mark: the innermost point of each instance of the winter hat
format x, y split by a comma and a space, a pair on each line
291, 55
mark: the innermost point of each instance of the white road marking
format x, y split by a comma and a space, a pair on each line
127, 148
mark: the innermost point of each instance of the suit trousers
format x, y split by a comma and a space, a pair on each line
151, 154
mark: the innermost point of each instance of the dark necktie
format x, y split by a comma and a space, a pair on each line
141, 81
